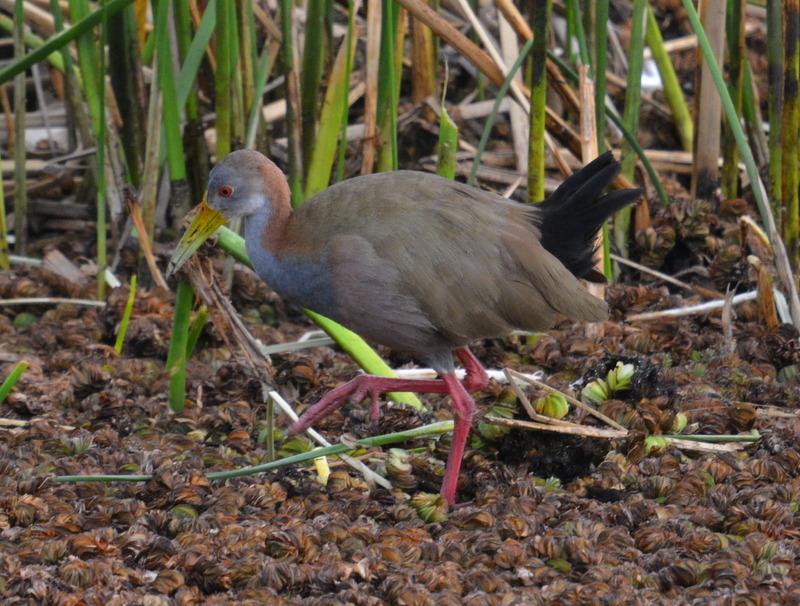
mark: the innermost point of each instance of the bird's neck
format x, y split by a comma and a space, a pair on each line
269, 227
302, 278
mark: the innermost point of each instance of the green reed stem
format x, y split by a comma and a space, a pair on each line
61, 40
294, 137
388, 90
345, 92
673, 93
195, 329
92, 66
176, 357
20, 153
332, 120
126, 316
600, 64
536, 146
734, 24
790, 126
426, 431
501, 94
775, 101
125, 70
223, 78
311, 76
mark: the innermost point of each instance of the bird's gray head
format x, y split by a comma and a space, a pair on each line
245, 182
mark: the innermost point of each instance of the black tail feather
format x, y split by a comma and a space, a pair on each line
571, 217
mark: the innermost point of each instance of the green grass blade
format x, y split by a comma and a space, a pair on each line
34, 42
12, 379
446, 160
195, 53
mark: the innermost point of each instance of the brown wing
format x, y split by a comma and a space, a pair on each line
422, 263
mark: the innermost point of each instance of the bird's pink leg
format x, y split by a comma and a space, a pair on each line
357, 389
476, 379
463, 410
463, 406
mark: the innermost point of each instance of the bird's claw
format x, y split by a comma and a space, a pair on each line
353, 391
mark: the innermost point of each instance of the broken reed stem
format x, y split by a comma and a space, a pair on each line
526, 403
692, 309
144, 240
573, 429
592, 411
275, 398
694, 443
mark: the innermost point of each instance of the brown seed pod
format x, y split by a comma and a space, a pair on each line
167, 581
653, 539
550, 544
514, 526
77, 573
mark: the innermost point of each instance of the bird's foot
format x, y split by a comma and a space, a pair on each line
354, 390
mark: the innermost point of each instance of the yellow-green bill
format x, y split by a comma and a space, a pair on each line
206, 221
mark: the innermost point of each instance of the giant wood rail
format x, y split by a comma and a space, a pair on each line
419, 263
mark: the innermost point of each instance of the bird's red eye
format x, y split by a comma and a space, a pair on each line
226, 191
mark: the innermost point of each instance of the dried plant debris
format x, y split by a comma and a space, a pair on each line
550, 519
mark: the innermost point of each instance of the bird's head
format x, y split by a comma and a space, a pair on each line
244, 183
